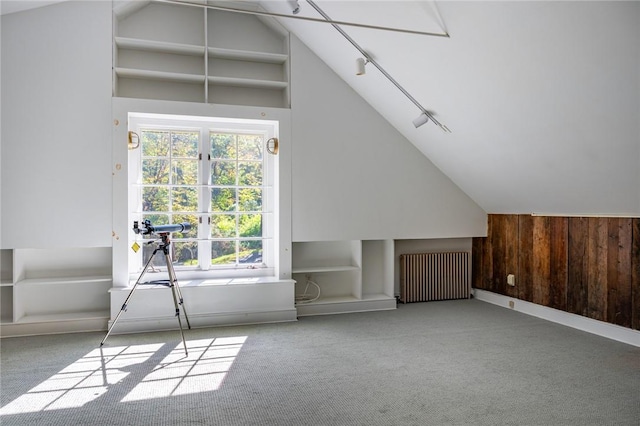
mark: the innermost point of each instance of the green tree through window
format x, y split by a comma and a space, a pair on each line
236, 198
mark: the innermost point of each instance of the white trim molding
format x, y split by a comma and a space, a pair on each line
600, 328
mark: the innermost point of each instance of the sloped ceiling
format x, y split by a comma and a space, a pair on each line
542, 98
13, 6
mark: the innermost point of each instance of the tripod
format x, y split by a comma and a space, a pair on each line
171, 283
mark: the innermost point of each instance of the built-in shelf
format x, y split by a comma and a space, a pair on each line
247, 82
352, 276
159, 46
376, 296
64, 280
254, 65
40, 299
320, 269
159, 75
331, 300
247, 55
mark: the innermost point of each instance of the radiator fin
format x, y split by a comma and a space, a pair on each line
426, 277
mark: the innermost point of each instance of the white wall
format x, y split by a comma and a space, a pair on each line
345, 173
56, 134
2, 266
355, 176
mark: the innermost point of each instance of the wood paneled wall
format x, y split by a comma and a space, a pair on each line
588, 266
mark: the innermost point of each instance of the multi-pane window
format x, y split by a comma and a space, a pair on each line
217, 179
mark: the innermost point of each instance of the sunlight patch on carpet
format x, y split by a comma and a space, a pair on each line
110, 368
203, 370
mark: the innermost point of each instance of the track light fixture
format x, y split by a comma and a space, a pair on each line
420, 120
425, 116
295, 6
360, 64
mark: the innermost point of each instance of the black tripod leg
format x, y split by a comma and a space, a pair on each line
124, 305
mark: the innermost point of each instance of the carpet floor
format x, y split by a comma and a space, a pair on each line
462, 362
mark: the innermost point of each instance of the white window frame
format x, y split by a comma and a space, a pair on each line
268, 129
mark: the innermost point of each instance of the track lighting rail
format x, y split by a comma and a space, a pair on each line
378, 66
304, 18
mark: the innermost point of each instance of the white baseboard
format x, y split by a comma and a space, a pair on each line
346, 307
136, 325
600, 328
19, 329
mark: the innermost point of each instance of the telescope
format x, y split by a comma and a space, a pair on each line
172, 283
147, 228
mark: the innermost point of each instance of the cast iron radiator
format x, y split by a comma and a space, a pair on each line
434, 276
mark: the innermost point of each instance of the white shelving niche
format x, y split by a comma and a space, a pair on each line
6, 286
352, 276
184, 53
56, 290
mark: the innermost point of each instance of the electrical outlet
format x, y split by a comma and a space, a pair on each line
511, 280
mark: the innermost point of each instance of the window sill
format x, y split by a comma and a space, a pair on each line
207, 282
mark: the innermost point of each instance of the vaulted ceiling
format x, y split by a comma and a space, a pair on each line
542, 98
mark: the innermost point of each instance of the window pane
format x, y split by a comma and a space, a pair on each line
249, 147
156, 219
223, 252
184, 172
250, 252
155, 171
250, 200
184, 199
223, 146
223, 199
155, 144
250, 225
223, 226
155, 199
249, 173
185, 144
223, 173
185, 253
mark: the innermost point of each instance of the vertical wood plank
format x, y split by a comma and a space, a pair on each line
477, 253
498, 245
635, 274
524, 278
612, 268
487, 259
597, 273
625, 290
558, 262
578, 261
541, 260
511, 252
619, 272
